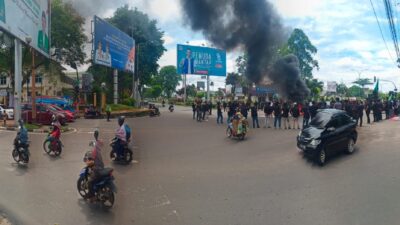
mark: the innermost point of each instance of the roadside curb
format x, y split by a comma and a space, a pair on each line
70, 130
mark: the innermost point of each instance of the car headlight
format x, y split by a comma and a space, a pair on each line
315, 142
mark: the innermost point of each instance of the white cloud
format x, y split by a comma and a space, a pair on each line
168, 40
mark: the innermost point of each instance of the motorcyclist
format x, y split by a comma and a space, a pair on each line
171, 106
55, 134
21, 139
123, 134
94, 162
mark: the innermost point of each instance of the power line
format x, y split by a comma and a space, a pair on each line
389, 14
380, 29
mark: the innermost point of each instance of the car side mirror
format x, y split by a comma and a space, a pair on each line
330, 129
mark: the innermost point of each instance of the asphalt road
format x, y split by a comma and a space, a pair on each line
190, 173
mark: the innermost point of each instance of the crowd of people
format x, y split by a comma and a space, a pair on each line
286, 115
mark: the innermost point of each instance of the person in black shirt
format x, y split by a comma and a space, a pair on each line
254, 116
268, 114
244, 110
360, 111
219, 114
313, 109
277, 114
368, 111
306, 114
285, 115
224, 105
194, 109
295, 113
198, 111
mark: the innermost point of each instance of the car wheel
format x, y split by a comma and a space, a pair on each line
321, 157
350, 146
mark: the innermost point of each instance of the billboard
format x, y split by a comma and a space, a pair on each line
27, 18
112, 47
201, 60
331, 86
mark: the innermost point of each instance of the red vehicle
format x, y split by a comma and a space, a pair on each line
69, 116
44, 114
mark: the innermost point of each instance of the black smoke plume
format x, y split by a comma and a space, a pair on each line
285, 74
252, 25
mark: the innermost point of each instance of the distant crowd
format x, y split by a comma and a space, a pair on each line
286, 115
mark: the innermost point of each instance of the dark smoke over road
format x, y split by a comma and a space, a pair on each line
285, 74
251, 25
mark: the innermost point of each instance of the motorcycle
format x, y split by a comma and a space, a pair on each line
54, 146
241, 131
154, 111
104, 188
171, 108
128, 154
21, 152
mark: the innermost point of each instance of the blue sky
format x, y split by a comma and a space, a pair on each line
345, 33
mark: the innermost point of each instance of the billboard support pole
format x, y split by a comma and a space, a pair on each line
208, 87
184, 88
18, 80
115, 73
33, 86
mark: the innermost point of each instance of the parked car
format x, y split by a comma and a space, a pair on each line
329, 133
68, 115
44, 114
9, 111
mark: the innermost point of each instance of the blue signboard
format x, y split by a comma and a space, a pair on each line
112, 47
201, 60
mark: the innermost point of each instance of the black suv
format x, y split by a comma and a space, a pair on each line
329, 132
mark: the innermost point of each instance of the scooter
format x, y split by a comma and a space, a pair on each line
171, 108
241, 132
21, 152
54, 146
128, 154
104, 188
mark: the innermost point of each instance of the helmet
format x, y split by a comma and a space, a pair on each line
88, 156
121, 120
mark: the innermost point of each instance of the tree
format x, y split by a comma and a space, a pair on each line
241, 64
315, 86
168, 79
156, 91
362, 82
342, 89
67, 33
300, 45
191, 91
148, 38
356, 91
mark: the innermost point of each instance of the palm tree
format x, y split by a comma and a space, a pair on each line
315, 86
362, 82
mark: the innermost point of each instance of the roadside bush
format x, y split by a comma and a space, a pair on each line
128, 101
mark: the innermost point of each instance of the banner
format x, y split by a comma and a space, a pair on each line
27, 18
112, 47
201, 60
331, 86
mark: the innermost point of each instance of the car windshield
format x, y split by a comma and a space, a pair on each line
320, 120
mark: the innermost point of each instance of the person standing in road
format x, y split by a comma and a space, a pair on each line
277, 114
338, 104
313, 109
285, 115
306, 114
224, 105
254, 116
108, 112
268, 114
360, 110
295, 114
244, 110
220, 118
198, 111
209, 107
368, 111
194, 110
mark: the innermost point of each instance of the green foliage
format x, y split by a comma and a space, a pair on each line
120, 107
156, 91
191, 91
342, 89
315, 87
168, 79
356, 91
363, 81
148, 39
128, 101
67, 33
201, 94
300, 45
